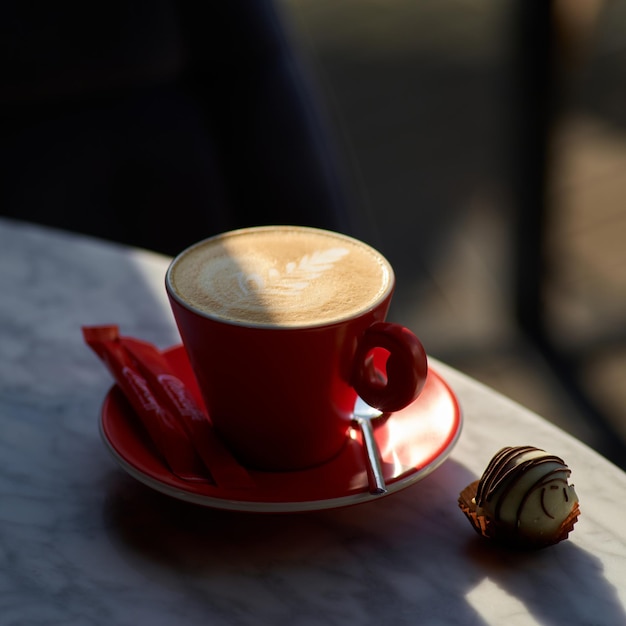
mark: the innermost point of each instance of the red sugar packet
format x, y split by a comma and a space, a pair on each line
175, 395
169, 414
169, 438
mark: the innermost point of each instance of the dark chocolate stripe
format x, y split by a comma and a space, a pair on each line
495, 467
513, 474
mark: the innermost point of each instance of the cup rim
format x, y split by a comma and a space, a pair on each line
384, 295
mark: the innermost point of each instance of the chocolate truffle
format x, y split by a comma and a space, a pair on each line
523, 499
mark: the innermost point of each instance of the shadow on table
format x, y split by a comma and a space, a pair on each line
408, 549
580, 594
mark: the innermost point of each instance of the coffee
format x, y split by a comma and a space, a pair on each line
281, 276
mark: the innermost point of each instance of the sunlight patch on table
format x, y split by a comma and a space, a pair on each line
496, 606
152, 268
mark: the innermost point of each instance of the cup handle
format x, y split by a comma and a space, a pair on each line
396, 384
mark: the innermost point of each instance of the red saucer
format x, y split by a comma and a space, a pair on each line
412, 443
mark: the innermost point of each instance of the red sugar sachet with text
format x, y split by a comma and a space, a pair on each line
174, 421
169, 438
174, 394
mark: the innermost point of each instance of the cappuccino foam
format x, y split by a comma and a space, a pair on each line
280, 276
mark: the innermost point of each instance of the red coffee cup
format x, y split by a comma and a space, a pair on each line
283, 327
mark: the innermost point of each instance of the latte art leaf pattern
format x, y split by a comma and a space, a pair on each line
281, 276
295, 277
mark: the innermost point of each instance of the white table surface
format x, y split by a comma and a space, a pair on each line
83, 543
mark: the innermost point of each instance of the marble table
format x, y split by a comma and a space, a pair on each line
81, 542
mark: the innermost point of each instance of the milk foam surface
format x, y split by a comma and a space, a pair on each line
282, 276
